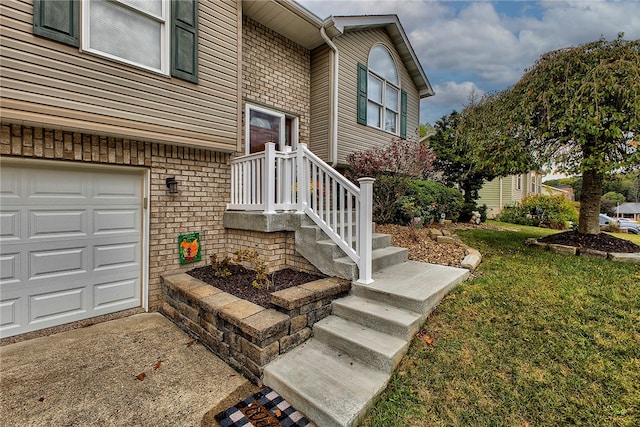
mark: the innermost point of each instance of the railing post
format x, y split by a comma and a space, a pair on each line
302, 181
365, 225
269, 179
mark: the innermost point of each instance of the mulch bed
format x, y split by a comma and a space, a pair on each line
601, 242
239, 282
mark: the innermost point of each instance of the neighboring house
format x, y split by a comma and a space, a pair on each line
506, 191
629, 210
566, 192
104, 105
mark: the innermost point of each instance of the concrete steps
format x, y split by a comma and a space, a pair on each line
329, 387
335, 376
313, 244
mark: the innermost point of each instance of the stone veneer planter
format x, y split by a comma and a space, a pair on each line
245, 335
592, 253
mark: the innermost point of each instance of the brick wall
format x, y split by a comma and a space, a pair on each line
203, 176
277, 250
276, 73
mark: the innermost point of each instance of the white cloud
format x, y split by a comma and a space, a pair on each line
479, 44
454, 94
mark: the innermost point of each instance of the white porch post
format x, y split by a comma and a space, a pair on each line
302, 181
269, 179
365, 245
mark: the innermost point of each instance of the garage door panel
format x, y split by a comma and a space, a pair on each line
10, 185
107, 221
117, 187
56, 184
115, 256
56, 263
9, 225
122, 292
59, 224
51, 306
10, 314
9, 268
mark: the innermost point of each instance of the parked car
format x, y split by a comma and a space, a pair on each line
631, 226
625, 224
606, 220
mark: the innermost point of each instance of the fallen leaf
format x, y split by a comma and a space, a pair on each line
141, 376
157, 365
41, 399
190, 343
232, 375
427, 339
277, 413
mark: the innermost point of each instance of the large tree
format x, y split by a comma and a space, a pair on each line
458, 157
577, 108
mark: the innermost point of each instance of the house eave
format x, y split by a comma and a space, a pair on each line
391, 23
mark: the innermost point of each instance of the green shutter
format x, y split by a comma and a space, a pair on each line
184, 39
403, 114
57, 20
362, 94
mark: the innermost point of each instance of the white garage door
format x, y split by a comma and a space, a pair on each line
71, 243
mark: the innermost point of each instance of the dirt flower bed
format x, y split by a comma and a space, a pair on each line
238, 283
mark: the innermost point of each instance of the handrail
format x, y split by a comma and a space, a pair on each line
299, 180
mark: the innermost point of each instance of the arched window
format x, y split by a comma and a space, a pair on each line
383, 90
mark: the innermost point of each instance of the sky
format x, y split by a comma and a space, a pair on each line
477, 47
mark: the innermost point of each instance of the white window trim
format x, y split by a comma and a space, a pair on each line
165, 36
383, 106
283, 116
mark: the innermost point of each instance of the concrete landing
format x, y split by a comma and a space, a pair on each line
335, 376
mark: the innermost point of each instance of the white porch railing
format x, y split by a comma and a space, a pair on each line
298, 180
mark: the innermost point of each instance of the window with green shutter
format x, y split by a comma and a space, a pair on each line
138, 33
381, 103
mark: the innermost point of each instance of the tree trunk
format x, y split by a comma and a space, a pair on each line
590, 202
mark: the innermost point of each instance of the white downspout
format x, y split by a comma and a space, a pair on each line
500, 181
333, 115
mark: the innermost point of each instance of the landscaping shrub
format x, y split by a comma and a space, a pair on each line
541, 210
425, 201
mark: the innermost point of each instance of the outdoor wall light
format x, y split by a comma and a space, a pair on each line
172, 185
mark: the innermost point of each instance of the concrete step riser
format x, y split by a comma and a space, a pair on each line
380, 262
377, 323
368, 355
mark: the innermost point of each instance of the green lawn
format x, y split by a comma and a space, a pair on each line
536, 337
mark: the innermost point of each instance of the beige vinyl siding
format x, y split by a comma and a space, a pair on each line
490, 195
52, 84
354, 47
320, 106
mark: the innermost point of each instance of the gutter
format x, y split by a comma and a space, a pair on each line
333, 100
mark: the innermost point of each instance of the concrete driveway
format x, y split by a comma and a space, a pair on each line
92, 376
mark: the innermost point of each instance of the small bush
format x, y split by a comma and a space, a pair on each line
541, 210
256, 264
427, 201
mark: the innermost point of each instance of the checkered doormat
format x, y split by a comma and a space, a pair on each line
265, 408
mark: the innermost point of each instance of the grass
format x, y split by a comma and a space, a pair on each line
535, 338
